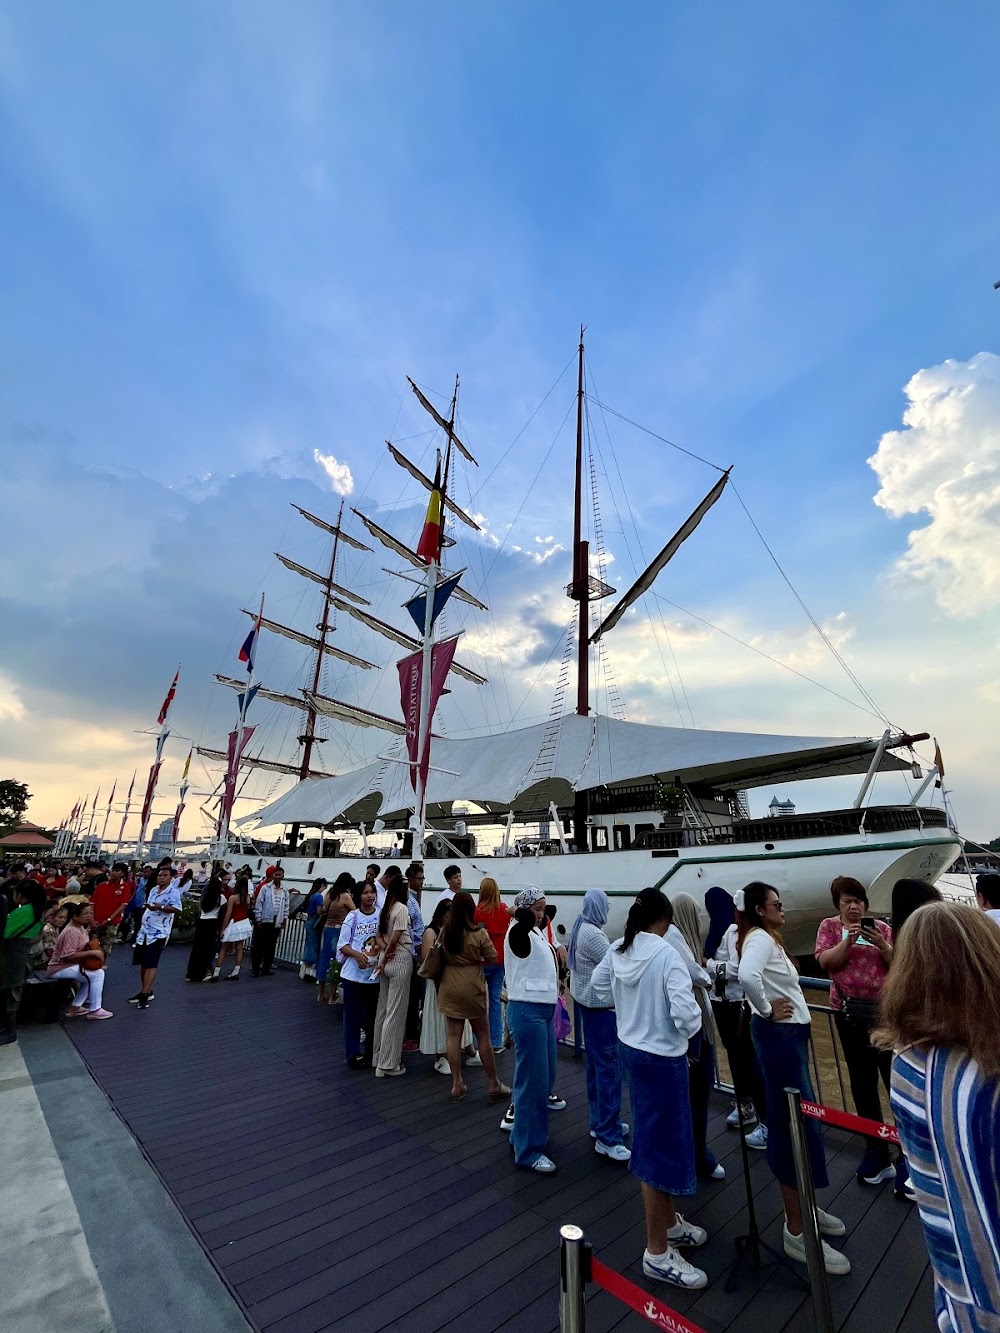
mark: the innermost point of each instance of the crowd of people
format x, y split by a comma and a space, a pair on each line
912, 999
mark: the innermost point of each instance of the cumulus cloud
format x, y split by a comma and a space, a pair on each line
341, 480
946, 464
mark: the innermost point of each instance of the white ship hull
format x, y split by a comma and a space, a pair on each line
801, 870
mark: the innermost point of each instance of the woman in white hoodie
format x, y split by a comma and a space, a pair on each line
648, 983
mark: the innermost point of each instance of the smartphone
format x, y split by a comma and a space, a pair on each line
867, 923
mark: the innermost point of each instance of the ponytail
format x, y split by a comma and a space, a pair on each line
649, 907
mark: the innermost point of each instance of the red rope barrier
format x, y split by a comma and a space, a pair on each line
640, 1301
844, 1120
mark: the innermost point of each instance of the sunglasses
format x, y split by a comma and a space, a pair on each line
775, 902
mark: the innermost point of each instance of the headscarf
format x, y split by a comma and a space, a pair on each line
528, 898
721, 915
595, 912
686, 921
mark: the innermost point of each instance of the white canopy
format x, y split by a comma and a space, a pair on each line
506, 772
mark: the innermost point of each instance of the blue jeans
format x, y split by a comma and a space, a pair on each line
493, 972
534, 1077
360, 1006
783, 1049
604, 1073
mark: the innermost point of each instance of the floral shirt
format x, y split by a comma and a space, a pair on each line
863, 975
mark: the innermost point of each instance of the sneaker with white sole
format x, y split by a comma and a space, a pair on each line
718, 1172
616, 1151
625, 1129
507, 1123
100, 1013
473, 1061
749, 1116
833, 1261
758, 1138
830, 1225
686, 1234
878, 1176
543, 1165
556, 1103
671, 1267
441, 1065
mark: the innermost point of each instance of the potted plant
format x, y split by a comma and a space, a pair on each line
670, 799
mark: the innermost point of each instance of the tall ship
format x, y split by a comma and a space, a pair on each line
580, 799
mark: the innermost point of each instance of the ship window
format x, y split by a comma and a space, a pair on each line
623, 837
644, 828
599, 839
768, 846
309, 867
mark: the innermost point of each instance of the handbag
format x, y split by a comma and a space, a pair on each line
432, 968
860, 1013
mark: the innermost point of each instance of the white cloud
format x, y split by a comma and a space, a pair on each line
946, 464
339, 473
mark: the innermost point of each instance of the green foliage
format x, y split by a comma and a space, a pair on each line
190, 913
14, 798
669, 798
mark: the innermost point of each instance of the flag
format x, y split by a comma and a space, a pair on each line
410, 683
237, 745
429, 545
187, 766
154, 773
250, 693
165, 708
250, 642
938, 763
417, 606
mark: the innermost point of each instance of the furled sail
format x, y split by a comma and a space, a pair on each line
296, 568
275, 697
334, 528
288, 633
393, 544
270, 765
426, 482
646, 579
429, 407
360, 717
397, 636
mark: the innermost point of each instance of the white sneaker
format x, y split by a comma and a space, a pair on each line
686, 1234
507, 1123
441, 1065
544, 1165
625, 1129
749, 1116
472, 1060
670, 1267
758, 1138
830, 1225
556, 1103
833, 1261
616, 1151
718, 1172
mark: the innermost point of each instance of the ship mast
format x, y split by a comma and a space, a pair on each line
308, 738
581, 558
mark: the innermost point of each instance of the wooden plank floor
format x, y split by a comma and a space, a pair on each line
329, 1199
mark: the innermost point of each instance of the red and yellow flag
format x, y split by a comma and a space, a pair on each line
429, 545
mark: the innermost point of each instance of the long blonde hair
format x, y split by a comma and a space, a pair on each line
489, 894
942, 985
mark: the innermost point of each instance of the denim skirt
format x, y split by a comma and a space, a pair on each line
662, 1137
783, 1050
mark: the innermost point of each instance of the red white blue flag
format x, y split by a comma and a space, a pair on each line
250, 642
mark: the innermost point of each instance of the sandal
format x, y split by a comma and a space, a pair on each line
501, 1094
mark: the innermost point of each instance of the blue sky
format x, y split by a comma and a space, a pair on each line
227, 233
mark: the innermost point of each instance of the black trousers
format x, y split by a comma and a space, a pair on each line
263, 943
865, 1066
733, 1022
203, 949
413, 1005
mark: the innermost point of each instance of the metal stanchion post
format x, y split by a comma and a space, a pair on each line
807, 1204
572, 1305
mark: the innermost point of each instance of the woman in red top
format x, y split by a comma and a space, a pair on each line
495, 916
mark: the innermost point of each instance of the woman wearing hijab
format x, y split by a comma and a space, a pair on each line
701, 1063
587, 946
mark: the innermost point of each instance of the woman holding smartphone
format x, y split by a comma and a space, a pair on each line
855, 951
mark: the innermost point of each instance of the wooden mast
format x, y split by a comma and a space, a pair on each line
308, 737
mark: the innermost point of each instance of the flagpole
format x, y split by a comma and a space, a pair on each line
93, 810
229, 793
154, 771
107, 814
182, 795
128, 811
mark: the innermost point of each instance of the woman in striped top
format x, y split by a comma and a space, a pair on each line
939, 1015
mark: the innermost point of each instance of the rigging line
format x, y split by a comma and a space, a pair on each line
534, 414
812, 619
606, 407
760, 653
552, 652
636, 567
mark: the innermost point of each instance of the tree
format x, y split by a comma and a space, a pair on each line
14, 798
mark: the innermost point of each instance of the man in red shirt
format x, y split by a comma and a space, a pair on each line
110, 899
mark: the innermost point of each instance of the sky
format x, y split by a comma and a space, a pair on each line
229, 232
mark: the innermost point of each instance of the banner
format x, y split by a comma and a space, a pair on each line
411, 674
417, 606
165, 706
234, 756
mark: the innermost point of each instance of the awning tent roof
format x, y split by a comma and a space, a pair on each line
504, 772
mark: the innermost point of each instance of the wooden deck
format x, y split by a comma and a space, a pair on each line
329, 1199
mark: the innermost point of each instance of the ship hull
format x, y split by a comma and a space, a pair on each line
800, 870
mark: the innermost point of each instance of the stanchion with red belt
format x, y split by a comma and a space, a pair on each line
818, 1285
578, 1267
872, 1129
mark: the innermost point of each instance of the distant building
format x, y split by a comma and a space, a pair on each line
778, 809
162, 842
